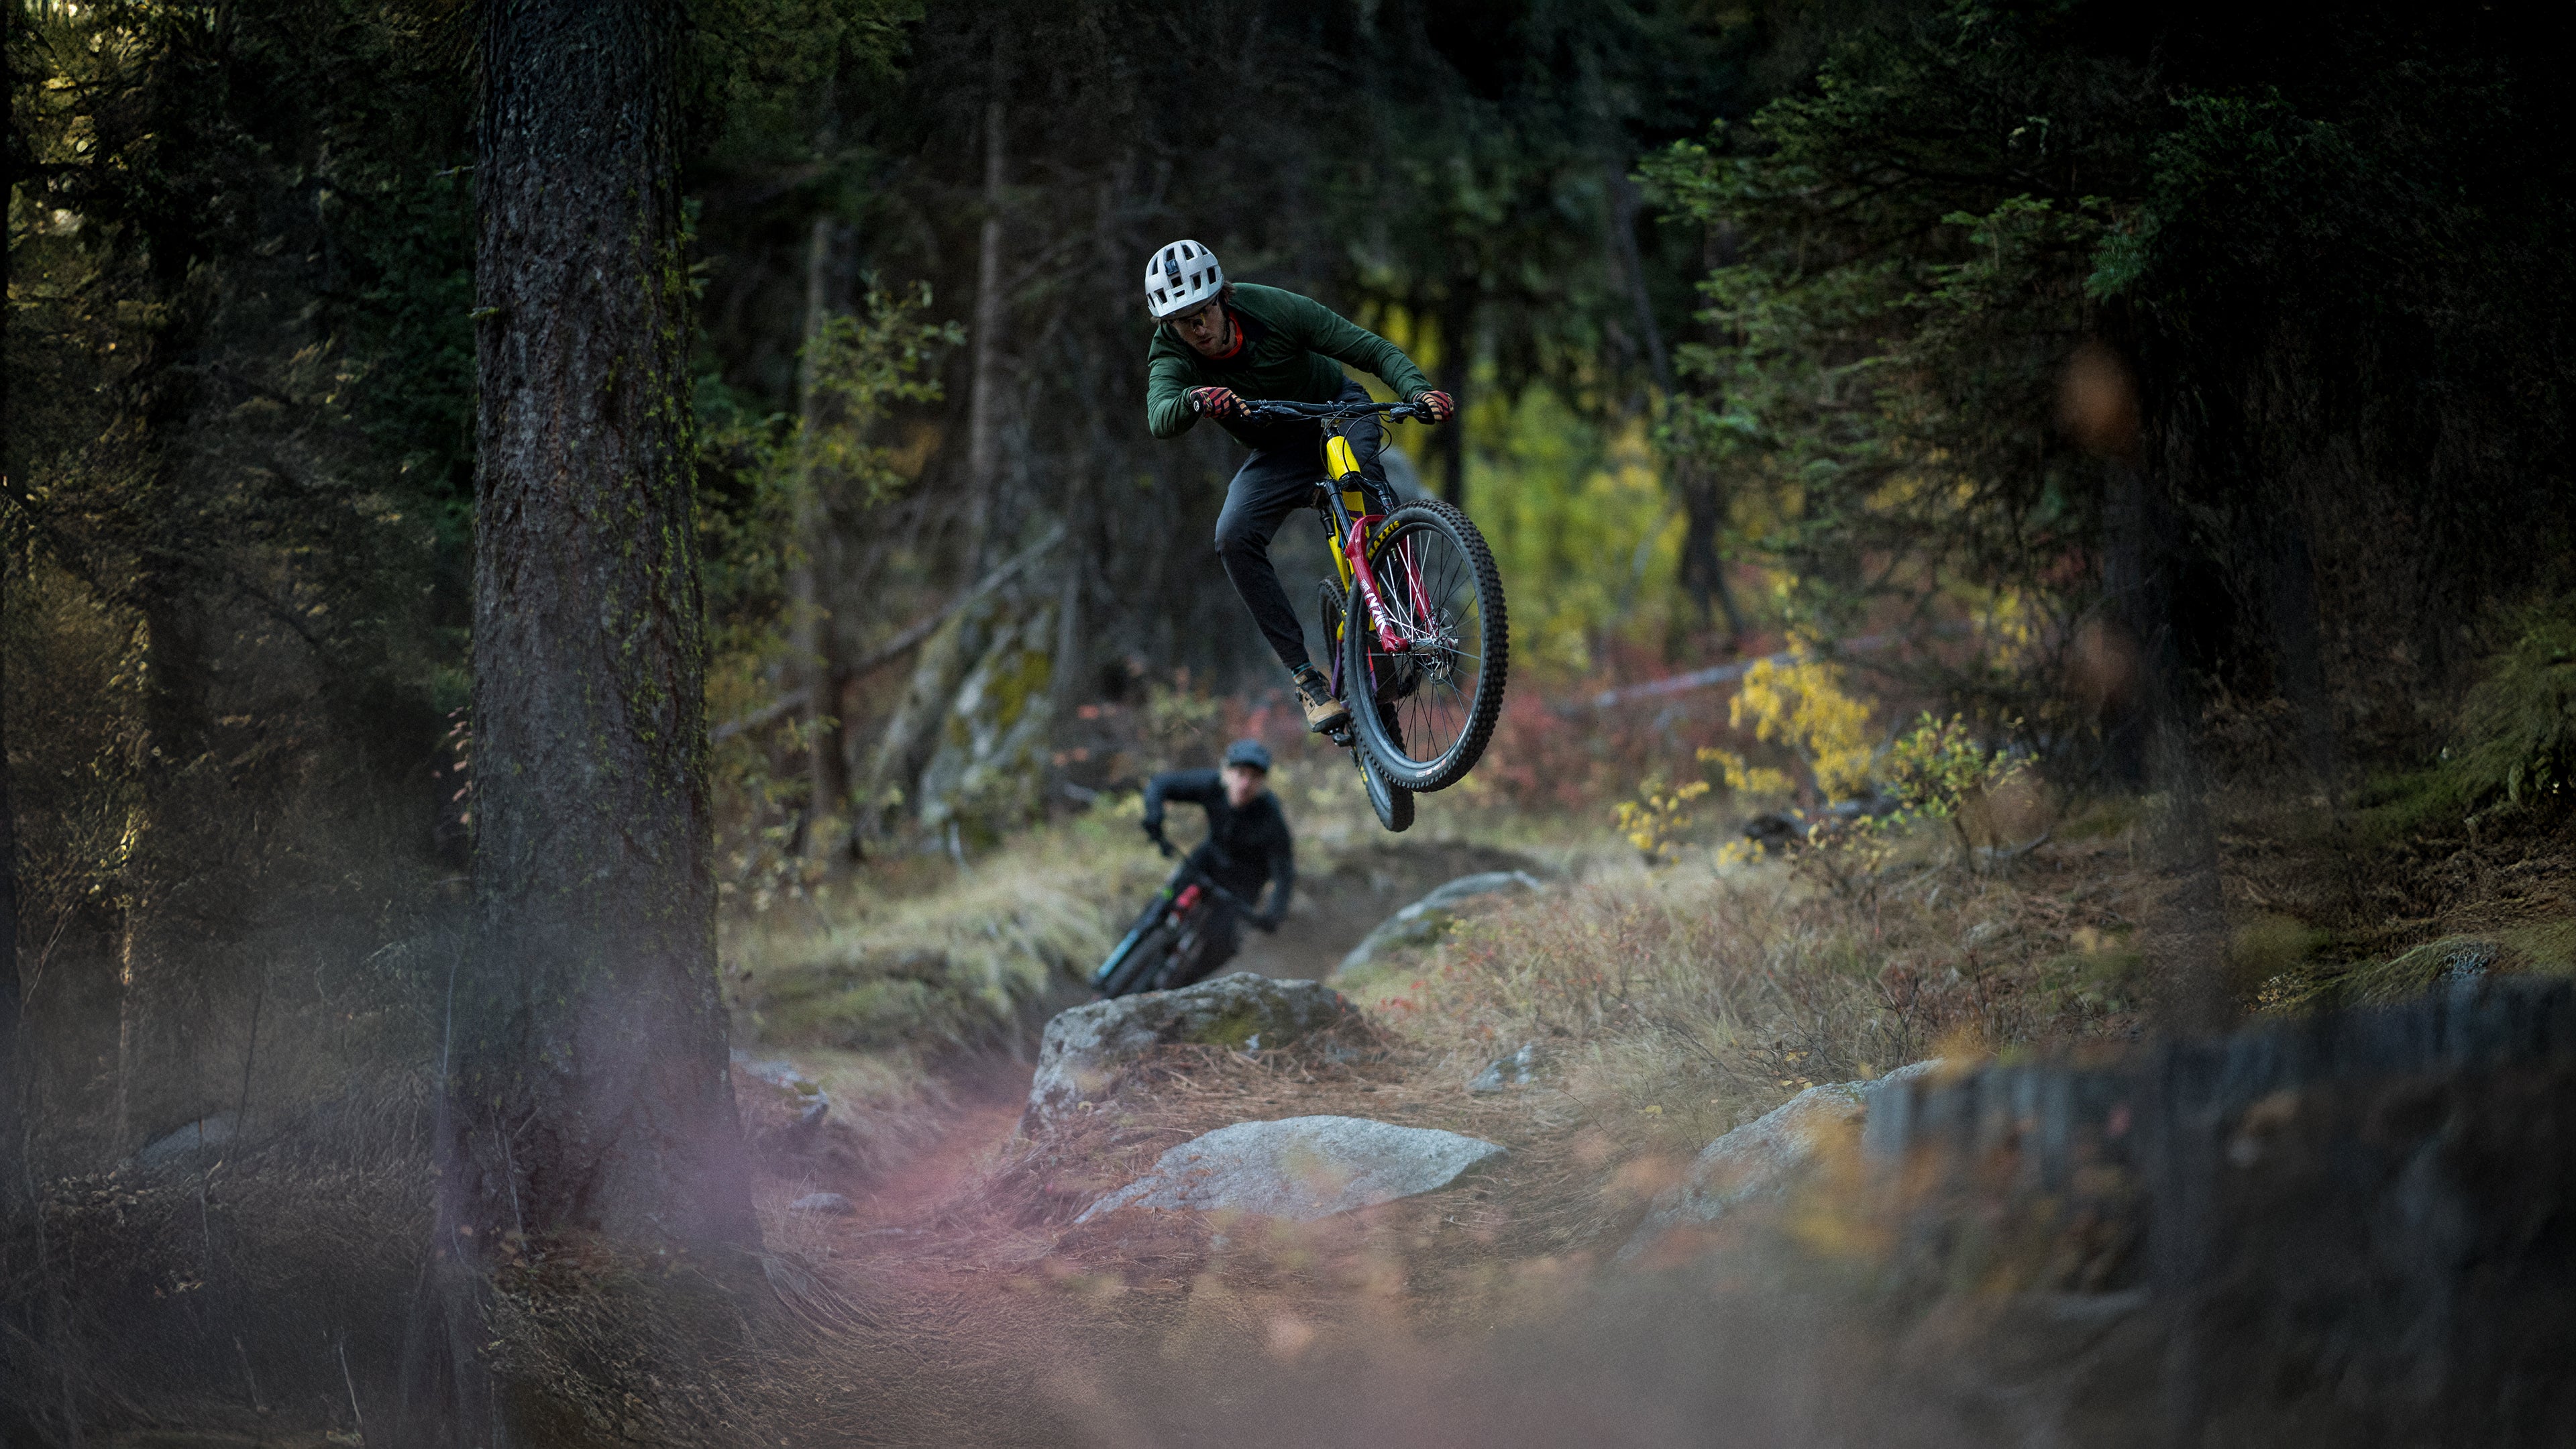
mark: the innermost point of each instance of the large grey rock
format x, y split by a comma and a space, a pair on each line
1764, 1156
1423, 922
196, 1138
1086, 1047
1299, 1168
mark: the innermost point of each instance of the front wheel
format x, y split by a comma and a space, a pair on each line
1144, 960
1426, 682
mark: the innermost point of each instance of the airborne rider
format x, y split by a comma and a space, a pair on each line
1217, 343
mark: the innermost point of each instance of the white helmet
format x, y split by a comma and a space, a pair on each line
1179, 277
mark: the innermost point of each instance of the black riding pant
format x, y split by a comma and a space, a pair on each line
1277, 480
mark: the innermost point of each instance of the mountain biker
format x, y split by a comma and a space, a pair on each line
1247, 843
1217, 343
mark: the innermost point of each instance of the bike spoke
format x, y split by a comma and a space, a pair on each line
1427, 597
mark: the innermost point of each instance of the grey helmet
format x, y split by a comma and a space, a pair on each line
1179, 277
1249, 752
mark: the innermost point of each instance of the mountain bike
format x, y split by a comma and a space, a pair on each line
1173, 935
1414, 623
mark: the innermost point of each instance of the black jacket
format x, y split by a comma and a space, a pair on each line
1244, 847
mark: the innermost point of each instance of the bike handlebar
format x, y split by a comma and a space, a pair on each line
1273, 410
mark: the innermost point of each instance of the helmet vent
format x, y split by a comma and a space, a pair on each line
1181, 276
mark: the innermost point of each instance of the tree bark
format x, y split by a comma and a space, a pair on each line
984, 407
587, 1088
12, 1120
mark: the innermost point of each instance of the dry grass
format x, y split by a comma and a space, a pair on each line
1684, 1001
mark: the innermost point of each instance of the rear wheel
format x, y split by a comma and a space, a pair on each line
1426, 691
1328, 610
1392, 802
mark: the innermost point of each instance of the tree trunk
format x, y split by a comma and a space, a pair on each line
181, 895
1624, 204
1703, 566
984, 407
587, 1090
1457, 356
811, 639
1701, 490
12, 1121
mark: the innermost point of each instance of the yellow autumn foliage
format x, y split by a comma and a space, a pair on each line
1806, 705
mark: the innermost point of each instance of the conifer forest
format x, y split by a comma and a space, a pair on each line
683, 765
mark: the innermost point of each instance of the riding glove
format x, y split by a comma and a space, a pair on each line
1215, 402
1438, 404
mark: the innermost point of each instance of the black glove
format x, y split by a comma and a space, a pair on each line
1154, 833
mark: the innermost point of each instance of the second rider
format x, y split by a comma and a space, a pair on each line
1217, 343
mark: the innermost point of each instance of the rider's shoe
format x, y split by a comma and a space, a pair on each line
1324, 714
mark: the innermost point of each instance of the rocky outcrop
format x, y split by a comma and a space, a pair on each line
1299, 1168
1085, 1049
966, 747
1428, 919
1763, 1157
989, 770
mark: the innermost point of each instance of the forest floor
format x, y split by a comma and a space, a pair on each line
1480, 1314
1177, 1330
959, 1304
1489, 1313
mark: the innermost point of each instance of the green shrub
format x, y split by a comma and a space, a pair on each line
2517, 737
2514, 743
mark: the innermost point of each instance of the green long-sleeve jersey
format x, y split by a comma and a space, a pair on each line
1290, 344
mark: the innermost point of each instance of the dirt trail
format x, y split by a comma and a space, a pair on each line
998, 1322
1479, 1314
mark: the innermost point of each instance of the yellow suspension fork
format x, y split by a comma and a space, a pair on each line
1343, 467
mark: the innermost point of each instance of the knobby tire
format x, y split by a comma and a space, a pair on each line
1383, 731
1393, 803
